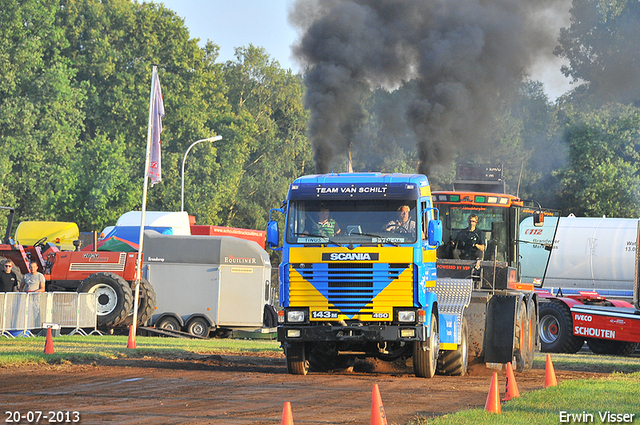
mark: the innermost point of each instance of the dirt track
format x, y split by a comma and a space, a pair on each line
230, 389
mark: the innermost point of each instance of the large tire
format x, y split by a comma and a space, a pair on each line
456, 362
146, 303
297, 363
556, 326
531, 339
425, 354
618, 348
114, 297
522, 335
269, 316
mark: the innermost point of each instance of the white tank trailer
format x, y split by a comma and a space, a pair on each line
593, 254
208, 283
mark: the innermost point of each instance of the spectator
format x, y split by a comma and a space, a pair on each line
8, 279
34, 281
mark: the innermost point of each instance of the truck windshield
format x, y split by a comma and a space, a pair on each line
491, 228
352, 222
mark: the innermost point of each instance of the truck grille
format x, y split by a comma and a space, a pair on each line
348, 287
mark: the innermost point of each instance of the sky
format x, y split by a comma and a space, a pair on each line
237, 23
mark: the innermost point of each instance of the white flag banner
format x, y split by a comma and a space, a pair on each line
157, 113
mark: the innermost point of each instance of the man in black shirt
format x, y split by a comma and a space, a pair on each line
8, 279
469, 244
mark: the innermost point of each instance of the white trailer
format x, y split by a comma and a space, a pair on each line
593, 254
207, 283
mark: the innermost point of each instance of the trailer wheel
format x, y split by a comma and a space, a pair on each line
618, 348
425, 354
114, 297
169, 323
556, 329
455, 362
146, 303
297, 363
198, 326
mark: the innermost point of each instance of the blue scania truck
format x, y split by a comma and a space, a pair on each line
360, 278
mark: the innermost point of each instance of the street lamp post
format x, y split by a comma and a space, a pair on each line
210, 139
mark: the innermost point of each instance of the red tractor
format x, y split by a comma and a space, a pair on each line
110, 275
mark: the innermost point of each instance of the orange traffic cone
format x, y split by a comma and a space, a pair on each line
512, 387
132, 338
549, 374
48, 345
493, 398
287, 416
378, 416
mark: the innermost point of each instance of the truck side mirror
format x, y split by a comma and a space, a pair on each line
435, 233
273, 234
538, 219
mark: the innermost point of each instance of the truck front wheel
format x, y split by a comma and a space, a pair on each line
425, 354
297, 362
556, 326
617, 348
113, 294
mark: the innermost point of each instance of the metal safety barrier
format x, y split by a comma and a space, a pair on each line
20, 313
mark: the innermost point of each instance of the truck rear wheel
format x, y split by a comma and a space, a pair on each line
114, 297
425, 354
618, 348
556, 326
456, 362
297, 363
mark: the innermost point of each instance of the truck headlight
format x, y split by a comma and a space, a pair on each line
295, 316
406, 316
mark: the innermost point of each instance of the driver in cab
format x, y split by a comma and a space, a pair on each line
402, 224
469, 244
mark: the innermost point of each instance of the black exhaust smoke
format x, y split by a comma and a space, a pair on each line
463, 55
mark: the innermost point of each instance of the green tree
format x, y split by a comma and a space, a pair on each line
602, 48
41, 110
603, 176
277, 152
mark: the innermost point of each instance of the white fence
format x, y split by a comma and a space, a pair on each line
20, 313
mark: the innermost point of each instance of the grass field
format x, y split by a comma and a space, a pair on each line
616, 395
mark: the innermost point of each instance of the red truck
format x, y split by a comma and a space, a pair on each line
608, 326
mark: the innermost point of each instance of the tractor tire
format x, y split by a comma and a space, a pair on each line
522, 328
146, 303
531, 339
455, 363
114, 297
556, 325
618, 348
425, 354
297, 363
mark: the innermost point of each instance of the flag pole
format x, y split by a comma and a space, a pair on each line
144, 205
